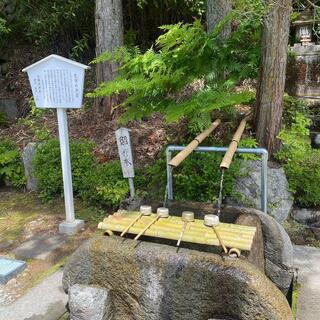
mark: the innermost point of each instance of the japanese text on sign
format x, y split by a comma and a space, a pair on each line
125, 152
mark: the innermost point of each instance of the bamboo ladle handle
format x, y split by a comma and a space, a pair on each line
130, 225
147, 227
175, 162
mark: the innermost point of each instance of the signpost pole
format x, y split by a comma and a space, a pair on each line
131, 186
66, 164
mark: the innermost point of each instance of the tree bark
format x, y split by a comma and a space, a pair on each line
109, 36
271, 83
216, 11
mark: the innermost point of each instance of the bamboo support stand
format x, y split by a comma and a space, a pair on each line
234, 236
175, 162
226, 161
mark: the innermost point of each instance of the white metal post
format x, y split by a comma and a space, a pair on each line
66, 164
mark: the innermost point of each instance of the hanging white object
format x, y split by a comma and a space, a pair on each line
57, 82
126, 158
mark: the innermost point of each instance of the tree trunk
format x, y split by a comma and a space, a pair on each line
272, 75
109, 36
216, 11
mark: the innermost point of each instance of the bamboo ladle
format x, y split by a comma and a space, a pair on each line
187, 216
161, 213
211, 220
144, 211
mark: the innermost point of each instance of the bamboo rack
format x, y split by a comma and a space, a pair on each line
226, 161
175, 162
234, 236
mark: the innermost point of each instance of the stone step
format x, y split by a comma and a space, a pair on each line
307, 260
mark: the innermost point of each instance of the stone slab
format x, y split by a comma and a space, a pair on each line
9, 268
71, 228
46, 301
307, 260
9, 108
39, 247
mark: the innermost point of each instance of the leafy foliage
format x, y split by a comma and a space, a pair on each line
11, 168
183, 54
99, 184
301, 162
196, 179
54, 23
105, 185
3, 27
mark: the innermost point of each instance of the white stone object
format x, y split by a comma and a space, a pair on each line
125, 152
211, 220
57, 82
89, 303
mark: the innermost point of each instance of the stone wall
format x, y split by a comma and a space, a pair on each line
303, 72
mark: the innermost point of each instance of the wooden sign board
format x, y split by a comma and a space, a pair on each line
125, 152
57, 82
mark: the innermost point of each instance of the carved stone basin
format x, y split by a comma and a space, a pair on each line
153, 281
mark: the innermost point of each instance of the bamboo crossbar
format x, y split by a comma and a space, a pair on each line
234, 236
226, 161
175, 162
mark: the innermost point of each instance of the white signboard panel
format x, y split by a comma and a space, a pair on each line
57, 82
125, 152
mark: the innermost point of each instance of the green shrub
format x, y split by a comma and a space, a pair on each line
196, 179
98, 184
47, 166
105, 185
11, 167
301, 162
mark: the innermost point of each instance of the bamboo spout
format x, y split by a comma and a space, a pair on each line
226, 161
175, 162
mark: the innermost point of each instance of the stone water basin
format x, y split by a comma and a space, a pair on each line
154, 280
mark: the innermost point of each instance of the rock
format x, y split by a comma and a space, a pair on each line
9, 108
278, 250
305, 216
39, 246
156, 282
27, 157
315, 228
248, 187
132, 204
89, 302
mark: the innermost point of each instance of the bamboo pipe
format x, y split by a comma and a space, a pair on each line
226, 161
193, 144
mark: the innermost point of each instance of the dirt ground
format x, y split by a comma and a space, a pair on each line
22, 216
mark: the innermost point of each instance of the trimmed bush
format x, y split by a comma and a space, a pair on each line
11, 167
98, 184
